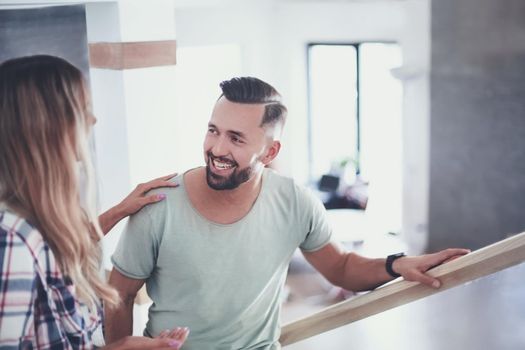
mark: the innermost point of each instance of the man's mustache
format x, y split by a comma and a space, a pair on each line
221, 159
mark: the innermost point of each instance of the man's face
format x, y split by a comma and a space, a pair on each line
235, 144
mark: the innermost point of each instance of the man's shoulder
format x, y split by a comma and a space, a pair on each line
275, 179
177, 179
173, 197
287, 186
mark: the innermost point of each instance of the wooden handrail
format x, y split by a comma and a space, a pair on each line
479, 263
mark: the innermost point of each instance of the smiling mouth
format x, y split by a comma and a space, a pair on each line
222, 165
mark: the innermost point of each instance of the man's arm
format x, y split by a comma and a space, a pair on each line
357, 273
118, 320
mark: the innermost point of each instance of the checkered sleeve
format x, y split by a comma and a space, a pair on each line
18, 276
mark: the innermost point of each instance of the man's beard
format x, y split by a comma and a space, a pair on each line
234, 180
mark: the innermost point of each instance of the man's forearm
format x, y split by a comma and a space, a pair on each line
357, 273
118, 321
361, 274
347, 269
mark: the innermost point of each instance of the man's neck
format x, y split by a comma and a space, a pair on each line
246, 192
226, 206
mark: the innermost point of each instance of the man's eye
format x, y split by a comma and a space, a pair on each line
236, 140
212, 131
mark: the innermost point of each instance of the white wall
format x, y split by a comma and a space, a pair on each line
138, 129
273, 38
134, 107
416, 124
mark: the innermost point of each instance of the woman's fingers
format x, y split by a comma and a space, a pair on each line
164, 333
164, 343
148, 186
169, 339
138, 198
179, 333
167, 177
143, 343
152, 198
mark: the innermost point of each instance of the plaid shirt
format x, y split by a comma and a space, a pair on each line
38, 309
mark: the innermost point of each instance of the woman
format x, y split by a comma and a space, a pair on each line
51, 289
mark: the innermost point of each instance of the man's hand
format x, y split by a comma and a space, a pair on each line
414, 268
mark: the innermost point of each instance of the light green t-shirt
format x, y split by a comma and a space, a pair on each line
222, 281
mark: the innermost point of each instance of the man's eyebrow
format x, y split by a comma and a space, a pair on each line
230, 132
236, 133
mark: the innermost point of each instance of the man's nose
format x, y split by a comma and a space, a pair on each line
220, 148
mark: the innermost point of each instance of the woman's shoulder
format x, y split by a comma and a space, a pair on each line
26, 253
17, 232
24, 249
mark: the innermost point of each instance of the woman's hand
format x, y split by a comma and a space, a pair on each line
179, 334
167, 340
135, 201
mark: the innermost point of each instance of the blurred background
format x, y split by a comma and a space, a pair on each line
406, 117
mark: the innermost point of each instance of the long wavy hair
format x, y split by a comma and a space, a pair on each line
44, 151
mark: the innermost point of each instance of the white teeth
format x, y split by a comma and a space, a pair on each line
221, 165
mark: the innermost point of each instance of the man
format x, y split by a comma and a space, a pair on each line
215, 252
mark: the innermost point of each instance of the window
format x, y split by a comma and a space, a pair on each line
355, 109
333, 90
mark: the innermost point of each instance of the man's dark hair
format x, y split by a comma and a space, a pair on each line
255, 91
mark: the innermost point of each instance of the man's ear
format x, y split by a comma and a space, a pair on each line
272, 152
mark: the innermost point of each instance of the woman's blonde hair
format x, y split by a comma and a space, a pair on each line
44, 110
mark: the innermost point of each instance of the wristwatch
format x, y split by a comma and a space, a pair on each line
389, 261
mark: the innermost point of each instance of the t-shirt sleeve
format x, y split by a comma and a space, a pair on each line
137, 249
318, 230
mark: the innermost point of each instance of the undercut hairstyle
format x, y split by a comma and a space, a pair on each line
43, 151
251, 90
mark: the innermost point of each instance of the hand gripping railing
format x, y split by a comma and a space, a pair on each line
479, 263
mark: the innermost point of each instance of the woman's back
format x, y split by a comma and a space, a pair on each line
38, 309
52, 245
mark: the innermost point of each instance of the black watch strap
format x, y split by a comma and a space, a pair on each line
389, 261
